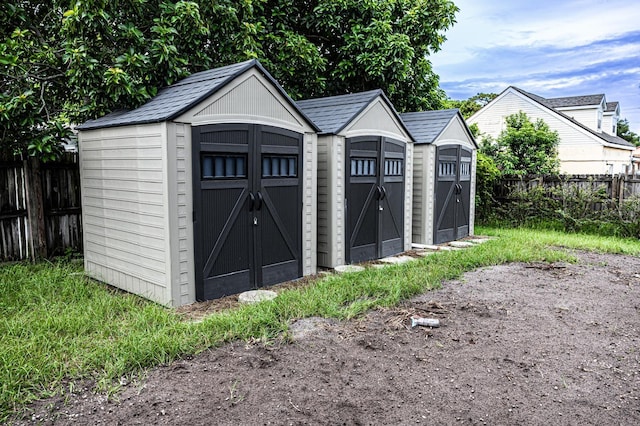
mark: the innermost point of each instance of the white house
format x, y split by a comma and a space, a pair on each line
586, 126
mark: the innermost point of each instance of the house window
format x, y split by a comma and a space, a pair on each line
363, 167
224, 166
279, 166
599, 120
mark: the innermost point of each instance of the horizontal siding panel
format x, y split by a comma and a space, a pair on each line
110, 272
142, 219
133, 196
132, 236
112, 244
132, 186
119, 261
119, 174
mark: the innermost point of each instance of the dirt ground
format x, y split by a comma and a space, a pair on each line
518, 344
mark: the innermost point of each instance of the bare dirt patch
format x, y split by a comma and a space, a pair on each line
518, 344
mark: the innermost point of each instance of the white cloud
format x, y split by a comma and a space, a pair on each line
552, 48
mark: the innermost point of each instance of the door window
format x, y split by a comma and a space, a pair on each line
363, 167
279, 166
393, 167
224, 166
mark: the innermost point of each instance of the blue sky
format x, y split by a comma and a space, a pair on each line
549, 48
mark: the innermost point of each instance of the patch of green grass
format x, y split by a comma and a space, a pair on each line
58, 327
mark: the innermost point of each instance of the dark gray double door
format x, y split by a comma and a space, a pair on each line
247, 207
453, 193
375, 176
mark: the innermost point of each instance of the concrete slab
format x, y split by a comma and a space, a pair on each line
425, 253
478, 240
255, 296
396, 260
341, 269
460, 244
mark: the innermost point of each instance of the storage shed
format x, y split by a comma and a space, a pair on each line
364, 178
208, 189
444, 176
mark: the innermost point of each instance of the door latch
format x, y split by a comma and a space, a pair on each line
255, 221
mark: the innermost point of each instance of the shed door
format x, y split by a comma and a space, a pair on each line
375, 198
453, 192
247, 207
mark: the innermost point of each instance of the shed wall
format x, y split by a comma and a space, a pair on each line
180, 199
123, 177
331, 181
423, 193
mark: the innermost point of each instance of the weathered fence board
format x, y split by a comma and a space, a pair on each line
617, 187
56, 203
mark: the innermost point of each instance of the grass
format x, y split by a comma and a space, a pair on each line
56, 327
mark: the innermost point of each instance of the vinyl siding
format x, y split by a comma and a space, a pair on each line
420, 197
408, 201
180, 199
586, 116
124, 208
310, 204
579, 151
331, 180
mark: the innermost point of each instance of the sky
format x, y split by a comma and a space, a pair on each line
551, 48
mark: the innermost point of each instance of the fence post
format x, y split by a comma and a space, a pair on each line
35, 208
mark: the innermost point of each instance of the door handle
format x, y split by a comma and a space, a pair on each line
378, 193
383, 193
258, 205
252, 201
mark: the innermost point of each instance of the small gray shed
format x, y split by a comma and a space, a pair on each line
208, 189
364, 178
444, 176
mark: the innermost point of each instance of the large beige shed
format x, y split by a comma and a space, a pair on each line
208, 189
365, 156
444, 176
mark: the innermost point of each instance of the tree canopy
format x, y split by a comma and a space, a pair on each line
470, 106
524, 147
64, 62
625, 132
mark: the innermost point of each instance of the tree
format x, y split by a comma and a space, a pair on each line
472, 105
64, 62
525, 147
625, 133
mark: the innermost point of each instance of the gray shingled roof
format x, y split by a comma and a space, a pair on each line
174, 100
571, 101
426, 126
333, 113
611, 106
616, 140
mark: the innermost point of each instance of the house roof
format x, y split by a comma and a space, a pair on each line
426, 126
616, 140
176, 99
611, 106
574, 101
333, 113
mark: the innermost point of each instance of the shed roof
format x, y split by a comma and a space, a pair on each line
426, 126
333, 113
174, 100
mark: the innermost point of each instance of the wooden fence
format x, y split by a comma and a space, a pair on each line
40, 213
617, 187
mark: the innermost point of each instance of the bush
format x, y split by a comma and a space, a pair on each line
568, 207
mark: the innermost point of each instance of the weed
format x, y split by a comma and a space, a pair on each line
58, 327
